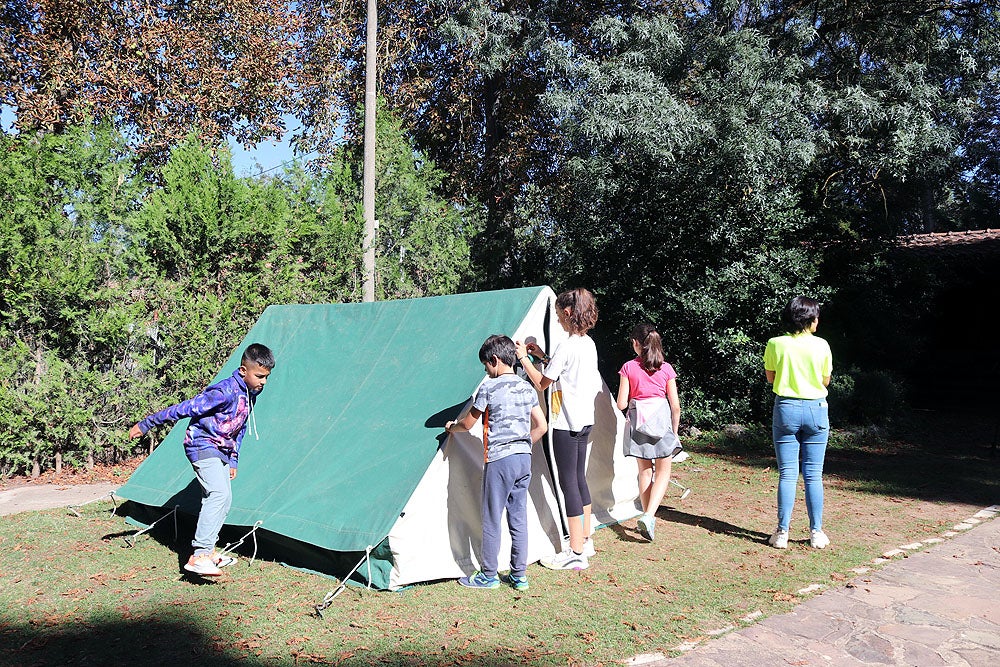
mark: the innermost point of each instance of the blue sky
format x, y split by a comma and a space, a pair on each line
265, 157
268, 156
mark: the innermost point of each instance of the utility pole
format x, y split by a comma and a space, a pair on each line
368, 200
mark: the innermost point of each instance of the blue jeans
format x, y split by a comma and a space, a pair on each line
505, 486
801, 428
216, 497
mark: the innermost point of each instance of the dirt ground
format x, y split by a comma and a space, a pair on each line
116, 473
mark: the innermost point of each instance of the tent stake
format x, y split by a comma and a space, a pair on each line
328, 600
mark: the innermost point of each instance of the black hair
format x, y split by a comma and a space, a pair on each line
651, 347
500, 347
260, 355
799, 314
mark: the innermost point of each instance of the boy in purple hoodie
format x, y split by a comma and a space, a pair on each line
212, 443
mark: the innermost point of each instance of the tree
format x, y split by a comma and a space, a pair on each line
156, 69
64, 203
465, 78
423, 241
63, 199
912, 90
687, 147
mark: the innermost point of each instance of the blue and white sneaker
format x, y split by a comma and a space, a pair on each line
647, 527
479, 580
518, 582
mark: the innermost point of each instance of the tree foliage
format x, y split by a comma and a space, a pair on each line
688, 149
156, 68
695, 163
123, 290
717, 163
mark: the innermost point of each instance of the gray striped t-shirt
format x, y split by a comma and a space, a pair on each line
508, 401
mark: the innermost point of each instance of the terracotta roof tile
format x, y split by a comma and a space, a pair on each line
972, 241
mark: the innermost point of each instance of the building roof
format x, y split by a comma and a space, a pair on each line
972, 242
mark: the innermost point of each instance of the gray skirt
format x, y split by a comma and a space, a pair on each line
643, 446
647, 413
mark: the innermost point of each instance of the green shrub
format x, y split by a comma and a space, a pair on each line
871, 397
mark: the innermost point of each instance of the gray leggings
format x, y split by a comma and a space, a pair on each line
570, 449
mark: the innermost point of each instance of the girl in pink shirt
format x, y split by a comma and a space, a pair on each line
648, 390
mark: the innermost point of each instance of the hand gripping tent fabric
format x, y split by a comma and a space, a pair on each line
352, 463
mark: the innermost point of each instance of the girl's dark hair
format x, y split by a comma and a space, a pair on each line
260, 355
500, 347
582, 309
651, 352
799, 314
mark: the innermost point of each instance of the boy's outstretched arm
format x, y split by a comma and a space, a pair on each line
202, 404
538, 424
465, 423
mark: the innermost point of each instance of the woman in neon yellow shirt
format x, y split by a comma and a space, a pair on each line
798, 366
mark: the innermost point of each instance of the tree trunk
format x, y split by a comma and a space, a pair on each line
927, 204
36, 462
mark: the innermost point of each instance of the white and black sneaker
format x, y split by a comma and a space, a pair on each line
202, 565
566, 560
222, 560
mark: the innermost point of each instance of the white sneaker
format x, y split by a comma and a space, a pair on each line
566, 560
202, 565
222, 560
588, 548
819, 540
779, 540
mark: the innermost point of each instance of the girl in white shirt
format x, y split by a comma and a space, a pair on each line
573, 370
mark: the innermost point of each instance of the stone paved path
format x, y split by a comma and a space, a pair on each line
940, 606
48, 496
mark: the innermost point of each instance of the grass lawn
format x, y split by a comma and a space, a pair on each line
72, 594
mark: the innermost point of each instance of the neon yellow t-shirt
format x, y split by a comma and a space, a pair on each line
800, 362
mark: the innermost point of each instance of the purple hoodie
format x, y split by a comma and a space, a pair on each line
218, 419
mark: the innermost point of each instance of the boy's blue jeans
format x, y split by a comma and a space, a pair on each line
216, 497
801, 428
505, 487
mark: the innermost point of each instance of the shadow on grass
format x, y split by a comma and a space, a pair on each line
670, 515
946, 457
625, 534
124, 642
141, 642
710, 524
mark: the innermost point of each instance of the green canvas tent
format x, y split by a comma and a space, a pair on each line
351, 463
